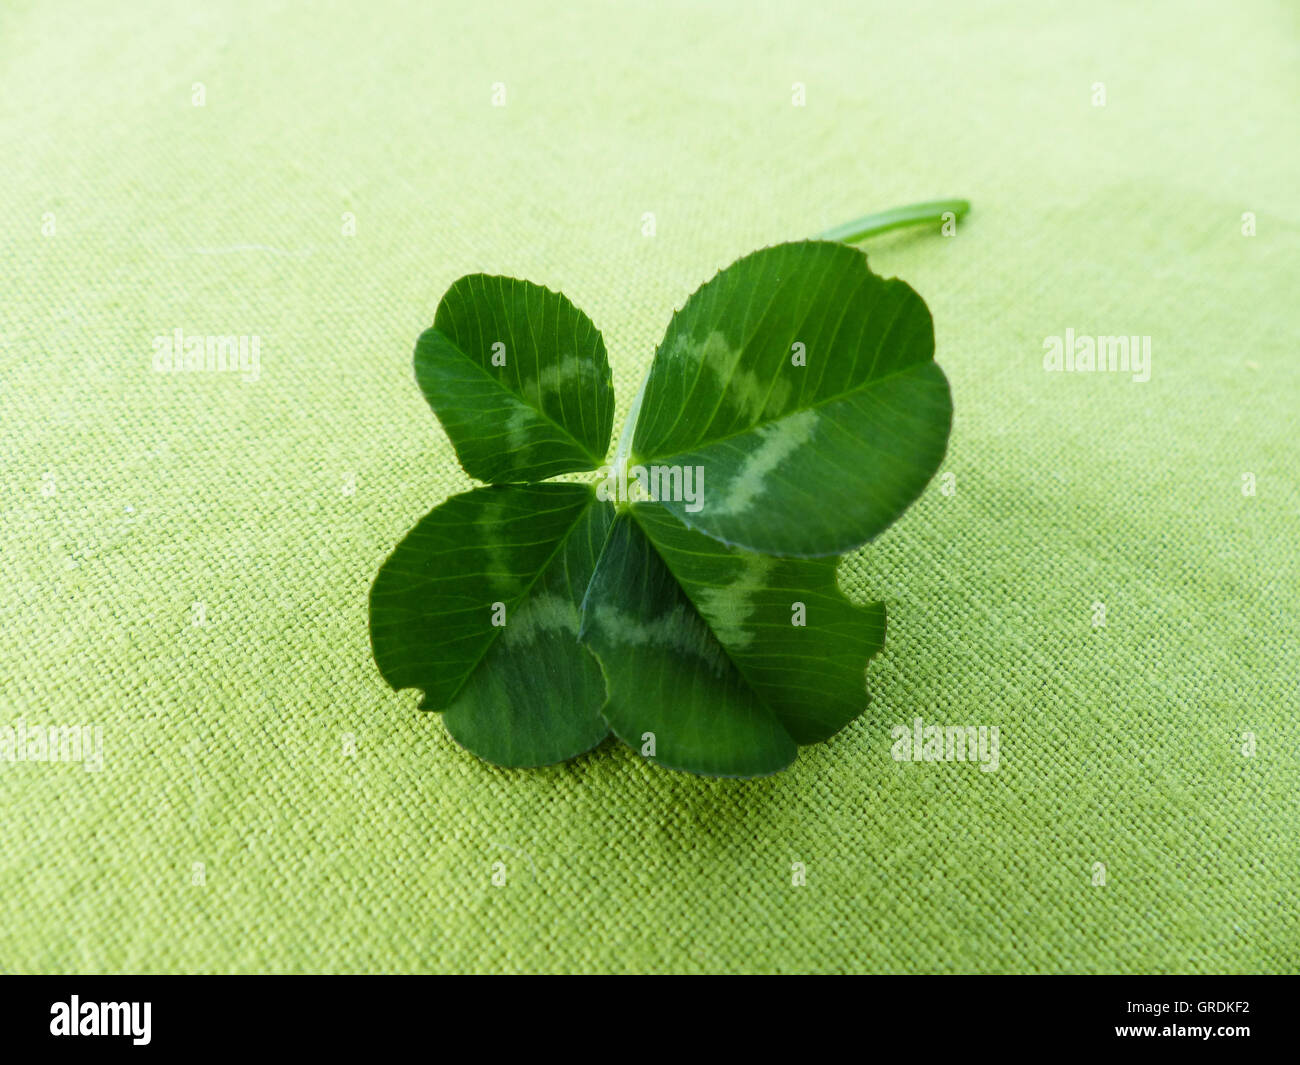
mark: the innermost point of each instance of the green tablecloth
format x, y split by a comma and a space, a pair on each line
266, 803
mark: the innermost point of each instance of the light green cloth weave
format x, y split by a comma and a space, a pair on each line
129, 495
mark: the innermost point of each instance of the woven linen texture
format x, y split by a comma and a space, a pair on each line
267, 804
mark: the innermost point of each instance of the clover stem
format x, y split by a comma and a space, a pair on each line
914, 214
624, 448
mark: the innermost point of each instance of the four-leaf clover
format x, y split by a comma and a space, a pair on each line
686, 600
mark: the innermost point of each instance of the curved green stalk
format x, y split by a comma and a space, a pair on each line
913, 214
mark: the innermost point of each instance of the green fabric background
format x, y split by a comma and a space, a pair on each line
224, 744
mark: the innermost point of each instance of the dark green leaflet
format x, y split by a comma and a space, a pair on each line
805, 388
547, 409
522, 693
699, 647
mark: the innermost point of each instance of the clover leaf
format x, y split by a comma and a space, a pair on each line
478, 607
805, 386
687, 600
519, 379
719, 661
